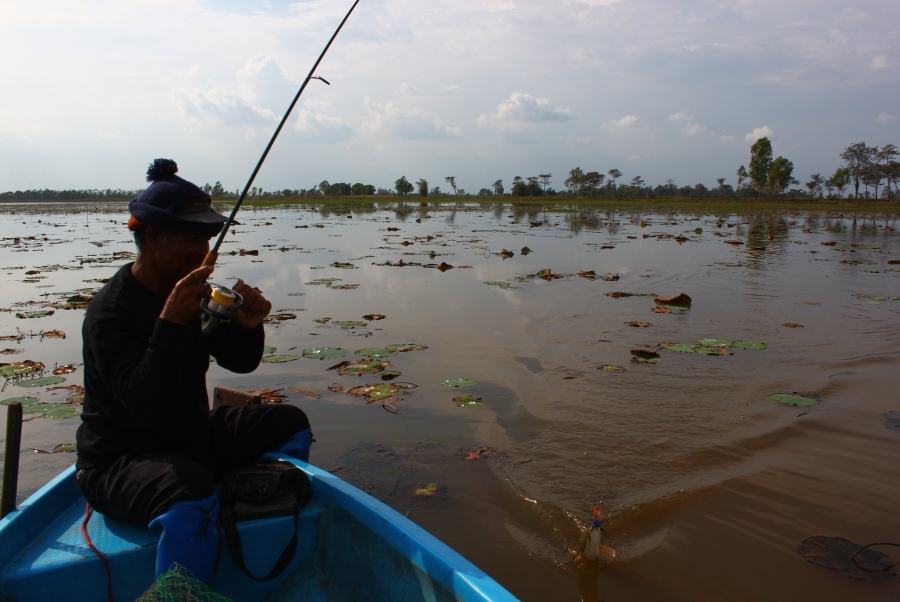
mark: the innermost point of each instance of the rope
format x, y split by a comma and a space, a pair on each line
87, 539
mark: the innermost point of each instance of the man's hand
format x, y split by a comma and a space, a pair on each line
183, 303
255, 307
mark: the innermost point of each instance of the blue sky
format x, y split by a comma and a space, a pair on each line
481, 90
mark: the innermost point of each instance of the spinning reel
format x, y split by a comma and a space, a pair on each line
218, 305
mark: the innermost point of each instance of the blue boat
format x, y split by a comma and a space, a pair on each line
351, 547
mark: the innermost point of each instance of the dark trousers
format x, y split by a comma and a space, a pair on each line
141, 485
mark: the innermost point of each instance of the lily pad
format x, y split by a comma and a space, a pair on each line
715, 342
277, 318
611, 368
749, 345
468, 401
645, 356
20, 368
678, 347
296, 294
402, 347
41, 382
460, 382
51, 410
712, 350
39, 313
360, 367
351, 323
25, 401
279, 359
376, 392
375, 352
500, 284
344, 266
324, 353
268, 350
802, 399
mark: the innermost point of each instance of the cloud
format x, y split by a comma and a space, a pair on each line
321, 127
879, 62
524, 108
757, 133
726, 138
693, 129
676, 117
407, 88
885, 118
625, 123
218, 107
410, 124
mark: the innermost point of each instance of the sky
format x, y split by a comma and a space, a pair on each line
92, 91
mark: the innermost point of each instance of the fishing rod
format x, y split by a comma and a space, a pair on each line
221, 302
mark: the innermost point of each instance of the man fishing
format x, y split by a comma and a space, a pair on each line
149, 447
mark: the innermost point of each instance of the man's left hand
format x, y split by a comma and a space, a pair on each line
255, 307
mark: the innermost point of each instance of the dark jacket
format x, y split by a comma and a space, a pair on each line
145, 378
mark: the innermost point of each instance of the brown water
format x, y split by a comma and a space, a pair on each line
707, 485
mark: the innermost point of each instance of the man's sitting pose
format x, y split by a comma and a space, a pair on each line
149, 447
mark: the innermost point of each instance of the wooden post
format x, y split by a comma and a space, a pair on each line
11, 458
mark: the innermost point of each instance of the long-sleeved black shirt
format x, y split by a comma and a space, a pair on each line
145, 378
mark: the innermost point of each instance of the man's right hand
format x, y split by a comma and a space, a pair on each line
183, 304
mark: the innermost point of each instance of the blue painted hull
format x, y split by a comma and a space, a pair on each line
352, 547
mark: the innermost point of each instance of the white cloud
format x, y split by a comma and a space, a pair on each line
757, 133
676, 117
693, 129
524, 108
725, 138
885, 118
410, 124
407, 88
322, 127
625, 123
879, 62
218, 107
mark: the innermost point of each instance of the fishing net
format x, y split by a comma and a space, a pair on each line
178, 584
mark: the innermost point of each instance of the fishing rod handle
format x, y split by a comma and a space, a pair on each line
11, 458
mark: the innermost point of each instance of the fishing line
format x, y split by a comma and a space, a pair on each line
883, 543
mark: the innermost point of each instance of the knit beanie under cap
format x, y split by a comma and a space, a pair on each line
173, 203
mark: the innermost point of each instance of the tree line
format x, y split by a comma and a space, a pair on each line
863, 166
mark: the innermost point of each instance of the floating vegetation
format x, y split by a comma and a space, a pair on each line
41, 382
679, 300
611, 368
278, 359
792, 325
404, 347
350, 324
460, 382
344, 266
278, 318
324, 353
38, 313
380, 392
25, 401
802, 399
55, 411
360, 367
645, 356
468, 401
374, 317
21, 369
427, 490
500, 284
481, 453
756, 345
375, 352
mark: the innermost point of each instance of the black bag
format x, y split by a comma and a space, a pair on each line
263, 490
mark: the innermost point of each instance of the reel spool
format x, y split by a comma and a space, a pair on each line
218, 305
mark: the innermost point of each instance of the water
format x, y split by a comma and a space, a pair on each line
707, 485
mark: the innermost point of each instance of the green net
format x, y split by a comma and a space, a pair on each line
178, 584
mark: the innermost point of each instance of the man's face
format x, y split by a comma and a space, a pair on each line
177, 254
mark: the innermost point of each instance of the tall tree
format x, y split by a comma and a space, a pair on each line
452, 181
886, 157
760, 163
840, 179
575, 181
815, 184
403, 186
857, 157
498, 187
422, 186
780, 175
742, 176
614, 174
592, 181
545, 180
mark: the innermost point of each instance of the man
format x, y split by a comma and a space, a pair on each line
149, 448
